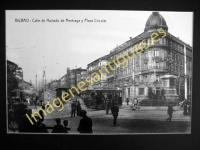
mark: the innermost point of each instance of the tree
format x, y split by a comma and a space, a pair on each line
150, 93
12, 81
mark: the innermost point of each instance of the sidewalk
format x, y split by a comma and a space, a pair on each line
150, 107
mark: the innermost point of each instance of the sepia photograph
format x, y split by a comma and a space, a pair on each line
99, 72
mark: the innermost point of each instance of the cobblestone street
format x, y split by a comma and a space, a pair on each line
143, 120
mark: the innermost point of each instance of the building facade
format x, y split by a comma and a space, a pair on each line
75, 76
92, 68
152, 62
53, 85
24, 85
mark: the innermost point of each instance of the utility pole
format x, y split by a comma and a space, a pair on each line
185, 71
36, 82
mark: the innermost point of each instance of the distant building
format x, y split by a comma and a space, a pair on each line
53, 85
24, 85
75, 76
94, 67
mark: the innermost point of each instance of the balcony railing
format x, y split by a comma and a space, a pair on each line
169, 88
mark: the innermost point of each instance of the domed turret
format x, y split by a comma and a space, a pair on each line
155, 21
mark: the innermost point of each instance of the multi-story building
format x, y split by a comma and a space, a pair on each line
75, 76
152, 61
53, 85
94, 67
24, 85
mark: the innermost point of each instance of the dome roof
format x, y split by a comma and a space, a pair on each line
155, 21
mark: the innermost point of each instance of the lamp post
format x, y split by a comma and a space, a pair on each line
185, 71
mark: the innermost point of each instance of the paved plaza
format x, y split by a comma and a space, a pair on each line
143, 120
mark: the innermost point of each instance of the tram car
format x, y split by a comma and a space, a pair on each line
96, 99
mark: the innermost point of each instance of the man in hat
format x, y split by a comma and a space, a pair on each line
73, 109
115, 110
85, 125
58, 128
170, 111
38, 126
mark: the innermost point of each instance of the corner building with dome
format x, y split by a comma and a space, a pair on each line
158, 72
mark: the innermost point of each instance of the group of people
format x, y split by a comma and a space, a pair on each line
75, 108
85, 125
36, 101
186, 109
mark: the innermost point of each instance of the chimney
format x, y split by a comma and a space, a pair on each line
130, 38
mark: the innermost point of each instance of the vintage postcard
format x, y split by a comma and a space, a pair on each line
99, 72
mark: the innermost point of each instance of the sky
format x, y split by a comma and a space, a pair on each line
53, 46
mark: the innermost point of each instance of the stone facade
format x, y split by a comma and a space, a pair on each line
159, 65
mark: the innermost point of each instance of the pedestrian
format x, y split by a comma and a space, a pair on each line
42, 113
28, 100
170, 111
185, 107
65, 122
115, 110
48, 103
73, 109
58, 128
24, 124
38, 126
38, 102
85, 125
111, 106
127, 100
78, 108
189, 107
135, 103
107, 106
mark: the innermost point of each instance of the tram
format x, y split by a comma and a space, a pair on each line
96, 99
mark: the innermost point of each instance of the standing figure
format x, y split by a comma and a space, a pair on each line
127, 100
48, 103
78, 108
38, 126
58, 128
115, 110
135, 103
107, 106
185, 107
73, 109
38, 102
189, 105
85, 125
170, 111
28, 100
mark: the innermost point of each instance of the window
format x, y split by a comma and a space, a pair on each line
172, 67
156, 52
170, 44
141, 91
173, 56
180, 59
157, 77
145, 55
149, 40
145, 66
177, 58
157, 65
178, 48
161, 41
